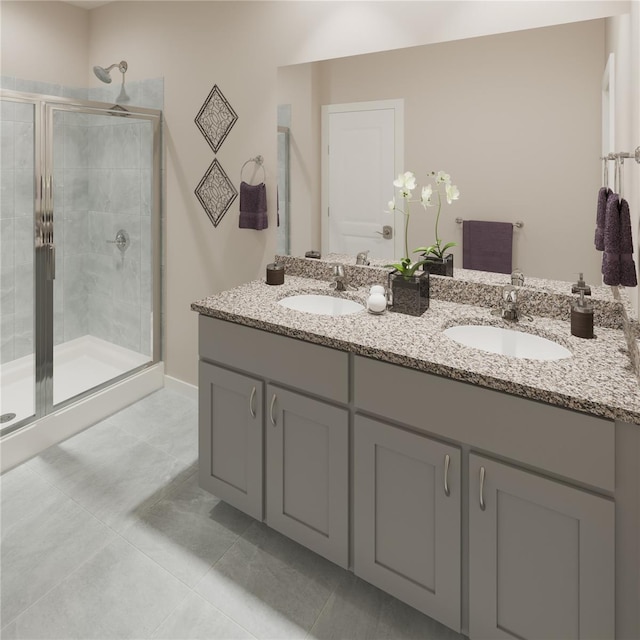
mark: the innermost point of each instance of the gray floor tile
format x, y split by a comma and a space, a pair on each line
161, 408
165, 419
23, 493
270, 585
187, 531
359, 611
112, 474
179, 438
119, 593
42, 548
196, 619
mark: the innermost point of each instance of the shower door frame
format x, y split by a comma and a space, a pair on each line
44, 240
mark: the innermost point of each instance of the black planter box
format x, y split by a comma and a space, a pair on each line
439, 267
410, 294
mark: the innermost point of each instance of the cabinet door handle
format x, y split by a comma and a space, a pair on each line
252, 411
483, 506
447, 460
273, 401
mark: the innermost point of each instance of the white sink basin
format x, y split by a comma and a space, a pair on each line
321, 305
507, 342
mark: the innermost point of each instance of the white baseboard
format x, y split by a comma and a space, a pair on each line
27, 442
186, 389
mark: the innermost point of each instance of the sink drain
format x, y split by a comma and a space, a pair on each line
7, 417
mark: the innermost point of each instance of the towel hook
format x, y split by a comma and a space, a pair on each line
259, 162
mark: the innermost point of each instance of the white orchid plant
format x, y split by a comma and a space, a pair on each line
406, 183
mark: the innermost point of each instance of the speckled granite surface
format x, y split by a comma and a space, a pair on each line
598, 379
548, 298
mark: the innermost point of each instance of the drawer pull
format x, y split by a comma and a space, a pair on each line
252, 411
447, 460
483, 506
273, 401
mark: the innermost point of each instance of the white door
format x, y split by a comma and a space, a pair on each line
363, 154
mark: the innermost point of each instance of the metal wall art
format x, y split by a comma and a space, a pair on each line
216, 192
216, 118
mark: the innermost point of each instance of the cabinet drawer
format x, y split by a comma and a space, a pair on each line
310, 367
571, 444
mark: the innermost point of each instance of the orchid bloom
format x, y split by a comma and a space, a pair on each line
425, 198
452, 192
392, 206
406, 182
443, 177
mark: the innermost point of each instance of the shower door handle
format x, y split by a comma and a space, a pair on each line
51, 262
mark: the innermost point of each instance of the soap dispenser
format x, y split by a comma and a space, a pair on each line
582, 311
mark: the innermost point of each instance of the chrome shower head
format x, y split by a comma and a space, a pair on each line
105, 75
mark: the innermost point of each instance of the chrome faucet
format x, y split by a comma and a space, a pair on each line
517, 277
363, 258
340, 281
509, 309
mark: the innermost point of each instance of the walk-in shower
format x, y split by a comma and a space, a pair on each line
80, 251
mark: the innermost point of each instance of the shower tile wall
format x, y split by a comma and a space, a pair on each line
16, 231
101, 184
113, 278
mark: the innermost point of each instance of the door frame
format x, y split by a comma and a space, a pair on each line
398, 108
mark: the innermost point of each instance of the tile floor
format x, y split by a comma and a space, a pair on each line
108, 535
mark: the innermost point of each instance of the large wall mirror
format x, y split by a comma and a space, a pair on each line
515, 118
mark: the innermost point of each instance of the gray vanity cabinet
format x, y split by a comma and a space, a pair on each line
407, 490
275, 401
541, 557
230, 437
307, 472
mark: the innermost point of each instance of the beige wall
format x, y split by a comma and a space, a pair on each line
514, 118
239, 46
46, 41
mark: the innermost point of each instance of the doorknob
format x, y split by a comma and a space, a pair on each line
387, 232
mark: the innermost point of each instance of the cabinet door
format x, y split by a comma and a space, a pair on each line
407, 517
541, 557
230, 437
307, 472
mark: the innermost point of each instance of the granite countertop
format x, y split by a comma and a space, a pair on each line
599, 379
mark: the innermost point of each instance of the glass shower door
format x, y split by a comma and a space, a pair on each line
18, 133
102, 291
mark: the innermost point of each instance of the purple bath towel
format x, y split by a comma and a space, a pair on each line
612, 242
253, 206
603, 195
628, 276
487, 246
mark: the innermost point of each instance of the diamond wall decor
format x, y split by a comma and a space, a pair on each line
216, 118
216, 192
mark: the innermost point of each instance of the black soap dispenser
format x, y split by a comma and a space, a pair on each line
582, 311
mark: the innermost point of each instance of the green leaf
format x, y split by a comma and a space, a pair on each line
412, 270
448, 246
427, 250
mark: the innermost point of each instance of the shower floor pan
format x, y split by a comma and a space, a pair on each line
79, 365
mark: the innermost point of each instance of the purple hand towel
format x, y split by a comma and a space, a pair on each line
253, 206
628, 276
612, 242
603, 195
487, 246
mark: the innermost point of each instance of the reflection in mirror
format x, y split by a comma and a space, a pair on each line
284, 120
515, 117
